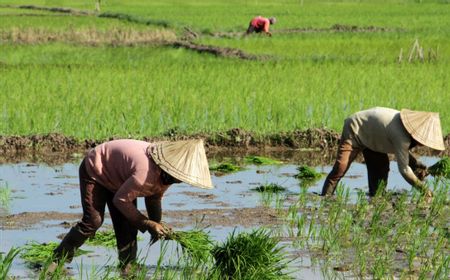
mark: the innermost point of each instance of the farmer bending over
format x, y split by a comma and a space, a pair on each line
260, 24
116, 173
378, 131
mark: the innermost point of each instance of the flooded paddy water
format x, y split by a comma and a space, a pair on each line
44, 201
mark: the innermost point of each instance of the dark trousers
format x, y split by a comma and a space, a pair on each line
252, 29
377, 167
94, 198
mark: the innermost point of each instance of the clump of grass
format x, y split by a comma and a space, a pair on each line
441, 168
35, 253
254, 255
6, 261
307, 173
272, 188
196, 244
258, 160
103, 238
225, 167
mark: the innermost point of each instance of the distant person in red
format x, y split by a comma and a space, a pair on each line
261, 24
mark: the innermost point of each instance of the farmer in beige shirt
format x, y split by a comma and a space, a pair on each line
380, 131
116, 173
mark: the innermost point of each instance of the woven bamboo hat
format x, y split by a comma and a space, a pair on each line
424, 127
183, 160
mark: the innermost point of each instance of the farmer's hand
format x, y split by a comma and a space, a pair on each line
155, 229
421, 173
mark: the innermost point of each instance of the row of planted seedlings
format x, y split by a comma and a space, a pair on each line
390, 235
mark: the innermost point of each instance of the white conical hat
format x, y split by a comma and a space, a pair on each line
424, 127
183, 160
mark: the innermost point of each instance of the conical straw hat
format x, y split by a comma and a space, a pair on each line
424, 127
183, 160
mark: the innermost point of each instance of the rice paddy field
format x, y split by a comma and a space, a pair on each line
95, 70
119, 72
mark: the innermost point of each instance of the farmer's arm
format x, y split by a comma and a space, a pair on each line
123, 200
153, 205
403, 158
266, 27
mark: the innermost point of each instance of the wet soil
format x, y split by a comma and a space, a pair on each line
57, 147
214, 217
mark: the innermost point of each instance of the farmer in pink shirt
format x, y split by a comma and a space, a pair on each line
116, 173
261, 24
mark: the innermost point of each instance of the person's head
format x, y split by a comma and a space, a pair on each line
272, 20
167, 179
424, 128
182, 161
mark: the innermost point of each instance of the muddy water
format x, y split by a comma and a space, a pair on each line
44, 201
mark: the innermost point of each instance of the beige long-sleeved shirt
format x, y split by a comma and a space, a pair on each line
124, 168
381, 130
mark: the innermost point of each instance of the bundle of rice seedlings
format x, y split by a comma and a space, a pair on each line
258, 160
441, 168
272, 188
254, 255
196, 244
35, 253
307, 173
103, 238
225, 167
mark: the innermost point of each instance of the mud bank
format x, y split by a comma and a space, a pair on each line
319, 145
315, 139
215, 217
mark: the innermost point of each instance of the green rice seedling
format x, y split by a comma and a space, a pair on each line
35, 253
272, 188
441, 168
225, 167
196, 244
6, 261
254, 255
259, 160
267, 198
307, 174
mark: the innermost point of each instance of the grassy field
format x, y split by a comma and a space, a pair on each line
73, 74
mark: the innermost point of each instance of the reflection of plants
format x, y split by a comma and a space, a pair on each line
5, 196
258, 160
254, 255
6, 261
